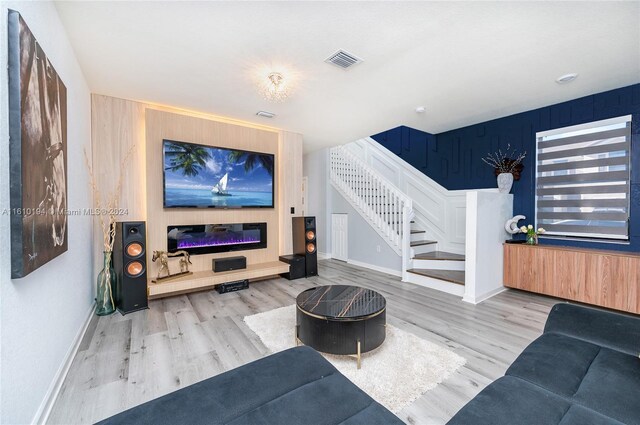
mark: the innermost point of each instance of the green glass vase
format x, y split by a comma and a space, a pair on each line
105, 298
532, 239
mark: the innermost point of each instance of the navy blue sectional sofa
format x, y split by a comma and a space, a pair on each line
583, 370
293, 387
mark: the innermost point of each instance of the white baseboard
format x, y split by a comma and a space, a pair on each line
323, 256
42, 415
483, 297
376, 268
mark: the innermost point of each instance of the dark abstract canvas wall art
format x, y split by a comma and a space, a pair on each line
38, 150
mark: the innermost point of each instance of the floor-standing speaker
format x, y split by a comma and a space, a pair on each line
130, 264
305, 243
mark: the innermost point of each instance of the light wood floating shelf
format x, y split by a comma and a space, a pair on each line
605, 278
207, 279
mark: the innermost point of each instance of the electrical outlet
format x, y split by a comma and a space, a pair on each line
378, 248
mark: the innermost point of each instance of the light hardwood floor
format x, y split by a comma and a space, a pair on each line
126, 360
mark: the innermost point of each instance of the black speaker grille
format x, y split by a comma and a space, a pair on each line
130, 264
305, 242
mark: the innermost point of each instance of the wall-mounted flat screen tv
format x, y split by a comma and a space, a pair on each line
200, 176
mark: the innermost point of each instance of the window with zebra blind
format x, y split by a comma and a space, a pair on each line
582, 180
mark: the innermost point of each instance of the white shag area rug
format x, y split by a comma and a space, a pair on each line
395, 374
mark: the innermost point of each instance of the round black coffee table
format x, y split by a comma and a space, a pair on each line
341, 319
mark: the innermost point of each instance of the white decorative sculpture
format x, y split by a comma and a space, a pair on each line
511, 226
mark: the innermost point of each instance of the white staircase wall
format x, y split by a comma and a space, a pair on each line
441, 212
468, 222
366, 247
384, 206
486, 215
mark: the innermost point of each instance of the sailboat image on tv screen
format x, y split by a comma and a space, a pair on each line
200, 176
221, 187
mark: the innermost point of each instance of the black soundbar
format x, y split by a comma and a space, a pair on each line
228, 264
237, 285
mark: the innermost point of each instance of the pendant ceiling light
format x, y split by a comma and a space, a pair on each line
275, 87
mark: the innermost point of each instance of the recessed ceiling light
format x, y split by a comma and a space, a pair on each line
420, 109
566, 78
265, 114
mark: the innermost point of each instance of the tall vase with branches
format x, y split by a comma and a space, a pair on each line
507, 166
107, 210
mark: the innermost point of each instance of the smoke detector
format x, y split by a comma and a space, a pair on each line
265, 114
566, 78
343, 59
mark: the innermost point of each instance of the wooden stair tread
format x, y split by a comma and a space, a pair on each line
418, 243
439, 255
453, 276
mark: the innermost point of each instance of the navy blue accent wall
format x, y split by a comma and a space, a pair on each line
453, 158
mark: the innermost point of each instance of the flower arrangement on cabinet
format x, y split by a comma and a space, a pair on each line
532, 234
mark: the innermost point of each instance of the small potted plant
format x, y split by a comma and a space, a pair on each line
532, 234
507, 167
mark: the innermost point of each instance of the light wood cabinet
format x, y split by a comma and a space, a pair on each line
605, 278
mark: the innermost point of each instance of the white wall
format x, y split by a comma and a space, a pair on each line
316, 167
323, 200
42, 314
363, 242
487, 213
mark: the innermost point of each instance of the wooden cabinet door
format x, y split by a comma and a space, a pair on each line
519, 268
569, 274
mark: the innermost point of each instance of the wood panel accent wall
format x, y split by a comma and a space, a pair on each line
166, 125
118, 124
291, 185
608, 279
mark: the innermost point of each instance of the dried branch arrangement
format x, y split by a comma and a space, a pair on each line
505, 162
107, 210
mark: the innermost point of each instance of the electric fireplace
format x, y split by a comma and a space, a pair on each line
213, 238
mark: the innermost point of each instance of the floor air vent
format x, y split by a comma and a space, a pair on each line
343, 59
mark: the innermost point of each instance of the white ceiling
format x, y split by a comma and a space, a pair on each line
467, 62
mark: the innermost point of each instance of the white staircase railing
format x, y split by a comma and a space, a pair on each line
385, 207
438, 211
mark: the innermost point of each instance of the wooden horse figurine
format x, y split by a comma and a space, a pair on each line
163, 256
164, 262
184, 260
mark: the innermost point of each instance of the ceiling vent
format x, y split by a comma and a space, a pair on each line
265, 114
343, 59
